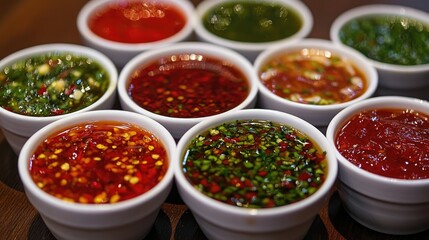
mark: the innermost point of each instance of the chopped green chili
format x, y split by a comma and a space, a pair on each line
389, 39
254, 164
52, 84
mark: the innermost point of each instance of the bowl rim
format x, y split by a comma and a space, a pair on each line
340, 50
74, 49
398, 102
251, 114
86, 11
82, 118
381, 9
214, 51
299, 7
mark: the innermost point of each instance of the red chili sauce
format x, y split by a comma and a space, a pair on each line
388, 142
313, 76
137, 21
188, 85
99, 162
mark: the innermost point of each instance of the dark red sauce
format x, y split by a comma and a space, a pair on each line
99, 162
388, 142
188, 85
137, 21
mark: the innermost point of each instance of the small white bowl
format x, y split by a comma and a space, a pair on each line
18, 128
319, 115
178, 126
384, 204
391, 75
120, 52
249, 49
127, 219
219, 220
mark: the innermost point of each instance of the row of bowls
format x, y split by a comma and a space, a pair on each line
357, 187
391, 75
17, 127
384, 204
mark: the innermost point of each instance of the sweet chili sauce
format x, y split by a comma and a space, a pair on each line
137, 21
99, 162
388, 142
313, 76
188, 85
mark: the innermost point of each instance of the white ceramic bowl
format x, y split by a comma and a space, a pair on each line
388, 205
391, 75
318, 115
178, 126
18, 128
128, 219
120, 52
249, 49
219, 220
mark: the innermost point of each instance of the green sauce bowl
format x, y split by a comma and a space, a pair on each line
19, 126
393, 38
250, 26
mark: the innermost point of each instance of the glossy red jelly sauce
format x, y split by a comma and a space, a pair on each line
388, 142
137, 21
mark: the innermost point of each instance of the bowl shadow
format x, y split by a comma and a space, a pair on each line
9, 167
350, 229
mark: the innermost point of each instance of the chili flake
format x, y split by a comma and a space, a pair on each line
254, 164
94, 163
188, 85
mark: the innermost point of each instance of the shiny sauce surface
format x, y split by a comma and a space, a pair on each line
388, 142
188, 85
313, 76
137, 21
99, 162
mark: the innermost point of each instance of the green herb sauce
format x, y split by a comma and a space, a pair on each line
389, 39
254, 164
52, 84
252, 21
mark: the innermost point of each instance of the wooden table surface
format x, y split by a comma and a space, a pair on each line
25, 23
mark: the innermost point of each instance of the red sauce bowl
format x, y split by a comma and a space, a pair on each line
374, 195
122, 29
92, 167
184, 84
